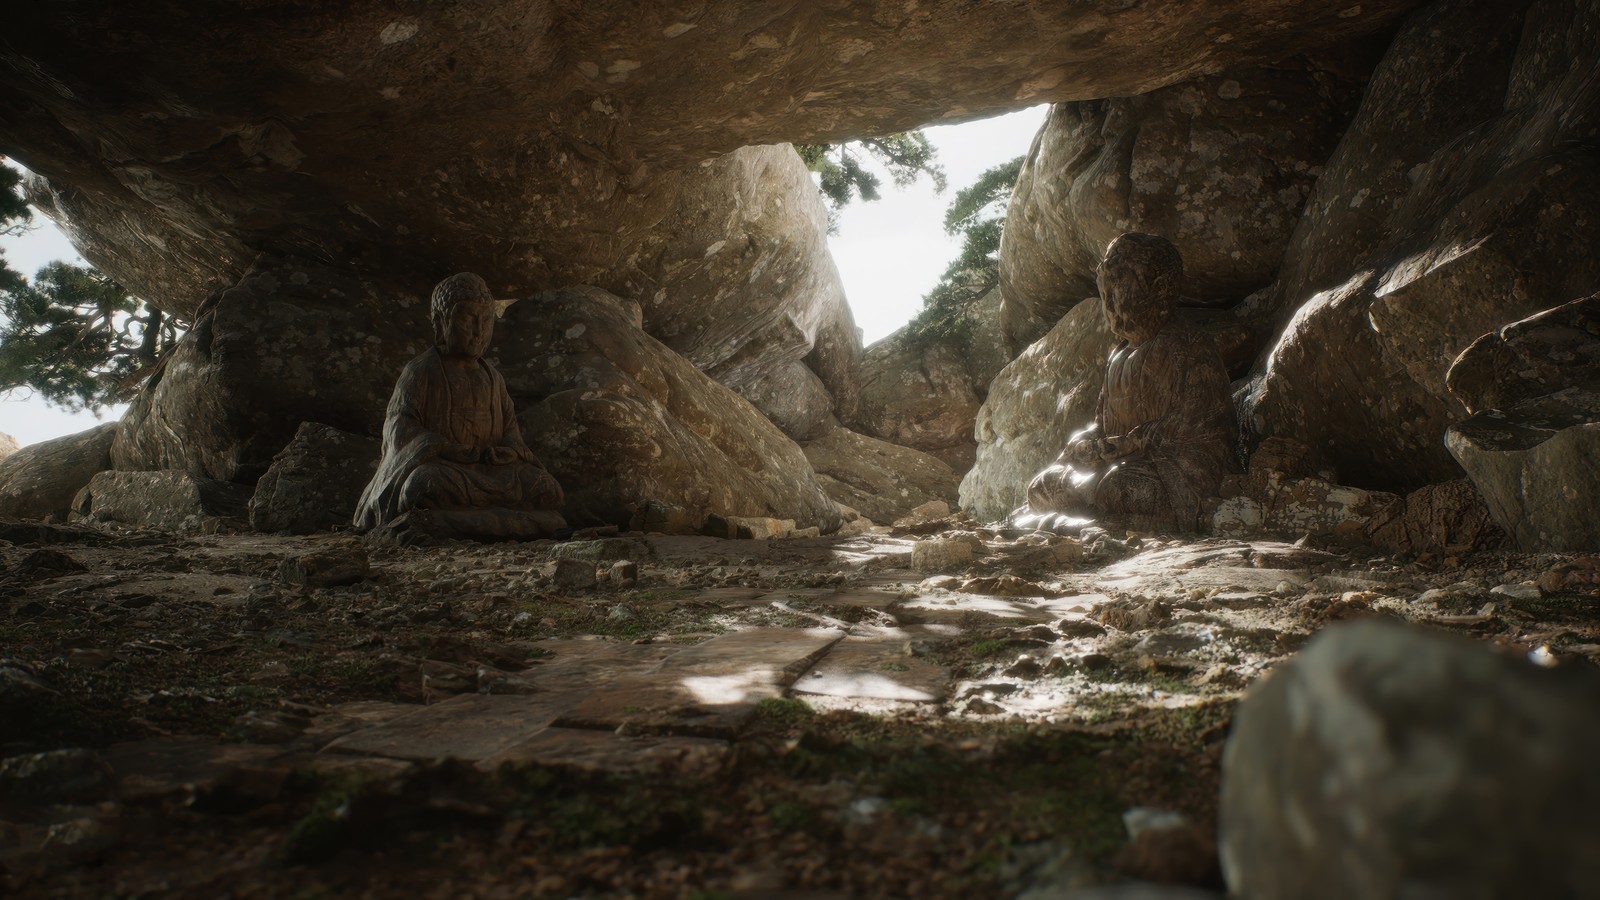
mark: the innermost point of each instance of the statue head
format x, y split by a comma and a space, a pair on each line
1138, 281
463, 313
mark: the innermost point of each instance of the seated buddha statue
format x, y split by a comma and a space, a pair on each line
454, 463
1163, 433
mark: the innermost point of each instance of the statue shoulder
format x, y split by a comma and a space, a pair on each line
422, 367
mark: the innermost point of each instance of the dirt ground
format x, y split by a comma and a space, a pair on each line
667, 716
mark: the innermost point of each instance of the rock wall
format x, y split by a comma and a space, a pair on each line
1464, 196
293, 341
1220, 166
924, 391
622, 422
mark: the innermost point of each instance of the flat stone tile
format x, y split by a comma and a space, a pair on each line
472, 727
864, 598
781, 653
875, 670
710, 689
581, 665
954, 607
601, 751
157, 768
717, 706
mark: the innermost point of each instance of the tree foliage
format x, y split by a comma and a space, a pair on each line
977, 215
75, 336
846, 170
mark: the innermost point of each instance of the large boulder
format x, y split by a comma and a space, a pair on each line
41, 479
293, 341
1464, 196
315, 482
1389, 762
623, 422
1544, 353
1220, 166
1532, 443
1449, 517
167, 500
1537, 464
880, 480
1034, 405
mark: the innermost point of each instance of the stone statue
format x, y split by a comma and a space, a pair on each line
454, 464
1163, 433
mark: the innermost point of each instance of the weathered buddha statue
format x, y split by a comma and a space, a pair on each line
454, 463
1163, 433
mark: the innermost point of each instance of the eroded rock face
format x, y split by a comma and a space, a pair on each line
40, 479
8, 445
1220, 166
1436, 222
880, 480
622, 421
293, 341
924, 391
315, 482
1385, 761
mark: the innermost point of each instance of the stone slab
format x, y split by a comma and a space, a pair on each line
470, 727
875, 670
149, 770
709, 690
581, 665
781, 653
714, 706
598, 751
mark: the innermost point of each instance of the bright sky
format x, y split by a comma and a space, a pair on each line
889, 253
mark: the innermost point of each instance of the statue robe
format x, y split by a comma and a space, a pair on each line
424, 418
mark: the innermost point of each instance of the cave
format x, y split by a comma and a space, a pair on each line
794, 641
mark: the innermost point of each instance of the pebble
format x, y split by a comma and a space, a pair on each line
1523, 591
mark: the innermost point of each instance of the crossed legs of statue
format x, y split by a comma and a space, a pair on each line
479, 500
1068, 497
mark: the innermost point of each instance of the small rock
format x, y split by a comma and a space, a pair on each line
1024, 667
573, 574
931, 511
601, 551
1079, 628
980, 707
332, 566
1093, 662
60, 776
623, 573
935, 554
269, 726
1526, 590
90, 657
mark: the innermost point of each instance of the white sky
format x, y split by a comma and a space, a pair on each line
889, 253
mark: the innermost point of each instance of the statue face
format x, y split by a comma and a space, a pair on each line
1136, 311
467, 329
